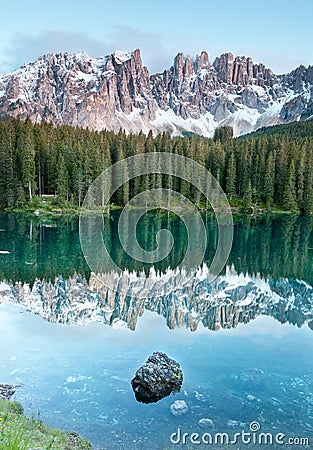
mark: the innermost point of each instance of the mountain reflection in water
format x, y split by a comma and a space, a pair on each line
230, 300
269, 272
78, 377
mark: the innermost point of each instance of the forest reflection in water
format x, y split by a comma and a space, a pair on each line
79, 377
269, 246
269, 272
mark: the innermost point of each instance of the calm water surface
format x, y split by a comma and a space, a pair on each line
245, 344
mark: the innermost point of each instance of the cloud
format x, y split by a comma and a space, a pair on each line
157, 50
24, 48
155, 53
284, 62
27, 48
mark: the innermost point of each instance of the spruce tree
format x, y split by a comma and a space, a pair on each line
247, 197
26, 151
300, 181
268, 191
231, 177
62, 179
308, 183
290, 189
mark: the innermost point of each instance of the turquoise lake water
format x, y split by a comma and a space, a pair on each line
244, 345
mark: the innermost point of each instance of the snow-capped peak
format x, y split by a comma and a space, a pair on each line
122, 56
191, 96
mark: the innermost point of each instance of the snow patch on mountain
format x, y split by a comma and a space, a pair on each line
169, 121
121, 57
231, 299
193, 96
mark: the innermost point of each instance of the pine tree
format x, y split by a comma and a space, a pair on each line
7, 181
268, 191
281, 175
26, 152
273, 166
247, 197
231, 177
300, 181
223, 134
62, 179
308, 183
290, 189
244, 163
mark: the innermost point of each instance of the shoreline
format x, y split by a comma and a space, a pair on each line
72, 212
19, 431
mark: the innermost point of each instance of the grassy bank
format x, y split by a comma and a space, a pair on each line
18, 432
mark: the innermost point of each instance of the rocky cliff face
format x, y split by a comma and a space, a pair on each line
232, 299
117, 91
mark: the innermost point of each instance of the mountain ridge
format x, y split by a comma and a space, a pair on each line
116, 91
233, 299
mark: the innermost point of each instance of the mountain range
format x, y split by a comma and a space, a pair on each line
119, 300
192, 96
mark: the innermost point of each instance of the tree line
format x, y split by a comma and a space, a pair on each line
268, 169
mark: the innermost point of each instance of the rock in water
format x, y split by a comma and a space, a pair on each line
157, 378
252, 378
179, 407
6, 391
206, 423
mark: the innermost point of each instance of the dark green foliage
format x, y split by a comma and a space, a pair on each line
231, 177
297, 129
223, 134
271, 245
268, 169
268, 191
247, 197
290, 197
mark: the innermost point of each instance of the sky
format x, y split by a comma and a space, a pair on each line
277, 33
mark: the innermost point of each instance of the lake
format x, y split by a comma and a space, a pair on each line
73, 338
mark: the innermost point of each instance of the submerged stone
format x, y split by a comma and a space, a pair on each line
252, 378
232, 423
206, 423
199, 397
179, 407
157, 378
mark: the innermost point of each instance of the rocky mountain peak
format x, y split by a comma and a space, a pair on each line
241, 70
119, 57
116, 91
202, 61
224, 66
234, 298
